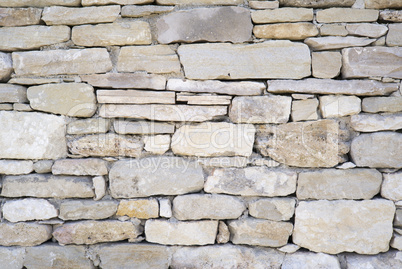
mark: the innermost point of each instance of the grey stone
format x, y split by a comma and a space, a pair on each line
382, 104
157, 144
134, 11
291, 31
391, 15
236, 161
276, 209
367, 29
199, 2
333, 29
99, 184
396, 241
12, 167
88, 126
28, 209
398, 218
346, 15
383, 4
335, 106
337, 42
6, 66
24, 234
263, 4
317, 3
40, 3
135, 97
307, 260
392, 186
394, 35
118, 2
388, 260
19, 16
142, 127
83, 209
223, 235
304, 109
22, 107
282, 15
80, 167
326, 64
35, 80
10, 93
6, 107
43, 167
373, 122
12, 257
126, 80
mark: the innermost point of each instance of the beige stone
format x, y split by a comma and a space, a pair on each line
333, 29
203, 99
80, 167
142, 127
346, 15
135, 81
34, 80
263, 4
398, 217
292, 31
157, 144
10, 93
13, 167
367, 29
200, 2
304, 110
88, 126
140, 209
382, 104
12, 257
394, 35
317, 3
43, 167
6, 107
165, 208
6, 66
383, 4
28, 209
326, 64
236, 161
118, 2
223, 235
134, 11
99, 185
391, 15
24, 234
334, 106
39, 3
289, 248
282, 15
134, 97
337, 42
19, 16
390, 259
276, 209
306, 260
396, 241
22, 107
85, 209
392, 186
373, 122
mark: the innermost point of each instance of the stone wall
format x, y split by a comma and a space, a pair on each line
201, 134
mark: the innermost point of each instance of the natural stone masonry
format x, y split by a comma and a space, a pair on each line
85, 209
24, 234
372, 123
41, 3
291, 31
333, 106
366, 29
346, 15
83, 167
135, 11
88, 126
199, 2
13, 167
117, 80
28, 209
382, 104
391, 187
337, 42
10, 93
317, 3
282, 15
6, 66
142, 127
119, 2
277, 209
305, 260
141, 209
326, 64
20, 17
134, 97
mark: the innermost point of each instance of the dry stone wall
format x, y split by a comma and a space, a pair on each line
201, 134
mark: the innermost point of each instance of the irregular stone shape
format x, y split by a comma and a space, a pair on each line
346, 15
371, 62
271, 59
336, 42
235, 257
306, 260
32, 136
28, 209
165, 208
40, 3
260, 109
398, 217
391, 15
10, 93
99, 184
82, 15
326, 64
263, 4
43, 167
118, 2
80, 167
380, 150
367, 29
163, 112
142, 127
34, 80
223, 161
88, 126
213, 86
92, 232
333, 29
334, 106
383, 4
258, 232
396, 241
157, 144
207, 206
22, 107
153, 59
12, 257
214, 139
329, 86
200, 2
390, 259
141, 209
289, 248
155, 176
292, 31
109, 144
332, 184
330, 226
49, 256
392, 186
251, 181
6, 66
181, 233
216, 24
71, 99
317, 3
223, 235
24, 234
134, 81
394, 35
282, 15
85, 209
134, 11
32, 37
305, 110
374, 122
382, 104
12, 167
112, 34
272, 208
45, 185
203, 99
19, 16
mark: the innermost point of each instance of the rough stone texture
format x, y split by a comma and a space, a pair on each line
24, 234
12, 167
19, 16
181, 233
88, 126
22, 107
317, 3
153, 59
373, 122
337, 42
388, 260
326, 64
28, 209
382, 4
12, 257
34, 80
135, 81
199, 2
392, 186
223, 235
83, 15
40, 3
32, 136
347, 15
55, 62
142, 127
282, 15
214, 139
155, 176
260, 109
216, 24
372, 61
157, 144
118, 2
134, 11
292, 31
10, 93
263, 4
387, 147
251, 181
276, 209
203, 99
140, 209
224, 161
207, 206
307, 260
333, 29
382, 104
45, 185
99, 184
396, 241
332, 184
43, 167
84, 209
330, 226
334, 106
270, 59
398, 217
394, 35
80, 167
367, 29
6, 66
391, 15
305, 110
165, 208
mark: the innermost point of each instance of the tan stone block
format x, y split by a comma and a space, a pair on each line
382, 104
392, 186
80, 167
383, 4
326, 64
200, 2
10, 93
142, 127
88, 126
117, 2
367, 29
28, 209
334, 106
6, 66
263, 4
333, 29
125, 80
391, 15
24, 234
373, 122
394, 36
86, 209
305, 110
157, 144
134, 97
19, 16
292, 31
135, 11
346, 15
337, 42
140, 209
317, 3
277, 209
38, 3
282, 15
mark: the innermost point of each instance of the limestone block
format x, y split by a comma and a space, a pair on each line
80, 167
394, 35
367, 29
10, 93
140, 209
337, 42
282, 15
382, 104
142, 127
134, 81
13, 167
165, 208
43, 167
306, 260
347, 15
28, 209
157, 144
203, 99
392, 186
85, 209
6, 66
135, 97
373, 122
200, 2
305, 110
383, 4
276, 209
334, 106
333, 29
39, 3
88, 126
135, 11
292, 31
326, 64
99, 184
19, 16
317, 3
223, 235
390, 259
391, 15
12, 257
24, 234
263, 4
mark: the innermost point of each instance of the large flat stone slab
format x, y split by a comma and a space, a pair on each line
317, 3
118, 2
80, 167
118, 80
282, 15
14, 167
382, 104
10, 93
135, 97
87, 209
136, 11
383, 4
19, 16
88, 126
6, 66
28, 209
291, 31
41, 3
332, 15
200, 2
390, 259
24, 234
337, 42
143, 127
374, 122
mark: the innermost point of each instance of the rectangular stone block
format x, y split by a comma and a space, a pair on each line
88, 126
118, 80
277, 209
373, 122
326, 64
335, 106
263, 4
200, 2
140, 209
10, 93
291, 31
24, 234
383, 4
38, 3
19, 16
135, 97
13, 167
80, 167
282, 15
142, 127
12, 257
382, 104
87, 209
347, 15
304, 110
367, 29
337, 42
391, 15
317, 3
203, 99
6, 67
135, 11
394, 35
333, 29
118, 2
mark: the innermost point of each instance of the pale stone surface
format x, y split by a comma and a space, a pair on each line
32, 37
157, 144
382, 104
326, 64
6, 66
24, 234
109, 144
270, 59
207, 206
32, 136
140, 209
307, 260
292, 31
12, 167
346, 165
85, 209
371, 62
373, 122
396, 241
387, 147
88, 126
74, 16
80, 167
390, 259
330, 226
153, 59
214, 139
10, 93
282, 15
260, 109
251, 181
383, 4
263, 4
6, 107
135, 81
347, 15
392, 186
43, 167
12, 257
367, 29
335, 106
118, 2
38, 3
289, 248
277, 209
398, 217
200, 2
394, 35
333, 29
34, 80
317, 3
134, 11
28, 209
165, 208
155, 176
92, 232
305, 110
391, 15
55, 62
19, 16
223, 161
332, 184
142, 127
99, 184
337, 42
22, 107
135, 97
223, 235
45, 185
203, 99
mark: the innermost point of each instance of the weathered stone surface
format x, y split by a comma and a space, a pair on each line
200, 2
12, 257
45, 185
394, 35
40, 3
134, 11
292, 31
260, 109
382, 4
157, 144
272, 208
12, 167
153, 59
332, 184
28, 209
135, 97
282, 15
235, 257
326, 64
396, 241
19, 16
140, 209
32, 37
214, 139
10, 93
99, 184
317, 3
373, 122
392, 186
207, 206
372, 61
153, 176
289, 248
32, 136
387, 147
6, 66
251, 181
390, 259
391, 15
382, 104
6, 107
270, 59
330, 226
334, 106
165, 208
346, 15
250, 231
333, 29
43, 167
134, 81
109, 144
203, 99
181, 233
337, 42
263, 4
223, 235
55, 62
305, 110
34, 80
307, 260
80, 167
83, 15
367, 29
24, 234
88, 126
92, 232
85, 209
223, 161
329, 86
22, 107
142, 127
398, 217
